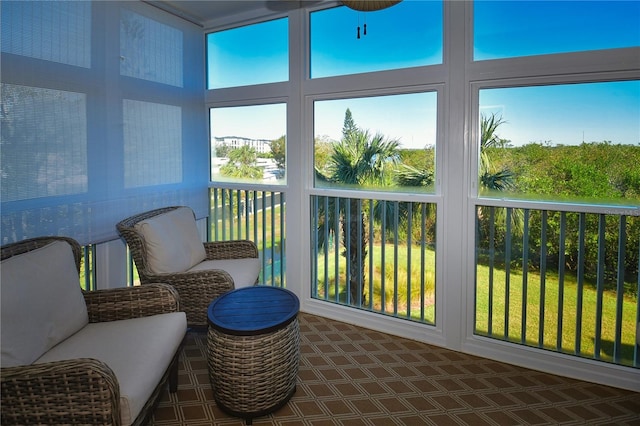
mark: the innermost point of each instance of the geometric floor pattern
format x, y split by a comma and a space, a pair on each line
354, 376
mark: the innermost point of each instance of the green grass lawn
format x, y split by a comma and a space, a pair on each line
415, 291
263, 227
557, 320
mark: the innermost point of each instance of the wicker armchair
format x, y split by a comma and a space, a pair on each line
83, 390
196, 288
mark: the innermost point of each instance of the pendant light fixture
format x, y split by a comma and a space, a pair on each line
368, 6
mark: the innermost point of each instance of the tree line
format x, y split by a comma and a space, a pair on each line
593, 173
600, 173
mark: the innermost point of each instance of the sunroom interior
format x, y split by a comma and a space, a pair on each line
113, 108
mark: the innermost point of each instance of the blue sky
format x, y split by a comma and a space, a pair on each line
414, 125
267, 121
567, 114
405, 35
417, 129
410, 34
234, 56
521, 28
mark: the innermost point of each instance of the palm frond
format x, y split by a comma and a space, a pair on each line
410, 176
499, 181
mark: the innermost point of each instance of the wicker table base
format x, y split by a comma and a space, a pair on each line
253, 372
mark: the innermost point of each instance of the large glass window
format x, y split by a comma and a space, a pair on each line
382, 142
253, 54
504, 29
556, 218
576, 143
248, 143
345, 41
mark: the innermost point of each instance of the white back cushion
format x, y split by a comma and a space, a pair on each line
172, 241
41, 302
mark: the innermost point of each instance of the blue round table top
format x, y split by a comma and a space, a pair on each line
253, 310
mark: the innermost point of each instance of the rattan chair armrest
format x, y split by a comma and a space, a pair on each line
79, 391
234, 249
197, 289
208, 283
131, 302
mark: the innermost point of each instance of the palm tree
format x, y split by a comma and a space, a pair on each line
359, 159
242, 164
408, 176
404, 176
490, 178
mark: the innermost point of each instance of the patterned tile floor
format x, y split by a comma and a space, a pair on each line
354, 376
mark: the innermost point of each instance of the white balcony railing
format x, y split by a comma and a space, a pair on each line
564, 281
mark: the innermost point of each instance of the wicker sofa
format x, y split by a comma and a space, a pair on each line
74, 357
165, 246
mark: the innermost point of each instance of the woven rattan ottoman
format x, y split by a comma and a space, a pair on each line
253, 350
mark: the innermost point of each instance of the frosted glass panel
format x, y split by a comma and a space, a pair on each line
152, 144
83, 146
51, 31
44, 143
150, 50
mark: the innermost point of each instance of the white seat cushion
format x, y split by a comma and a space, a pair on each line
172, 241
244, 271
42, 303
137, 350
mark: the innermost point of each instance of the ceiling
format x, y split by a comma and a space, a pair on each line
203, 12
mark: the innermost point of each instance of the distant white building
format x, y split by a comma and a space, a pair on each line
260, 145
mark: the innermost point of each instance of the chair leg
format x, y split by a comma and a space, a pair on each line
173, 375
